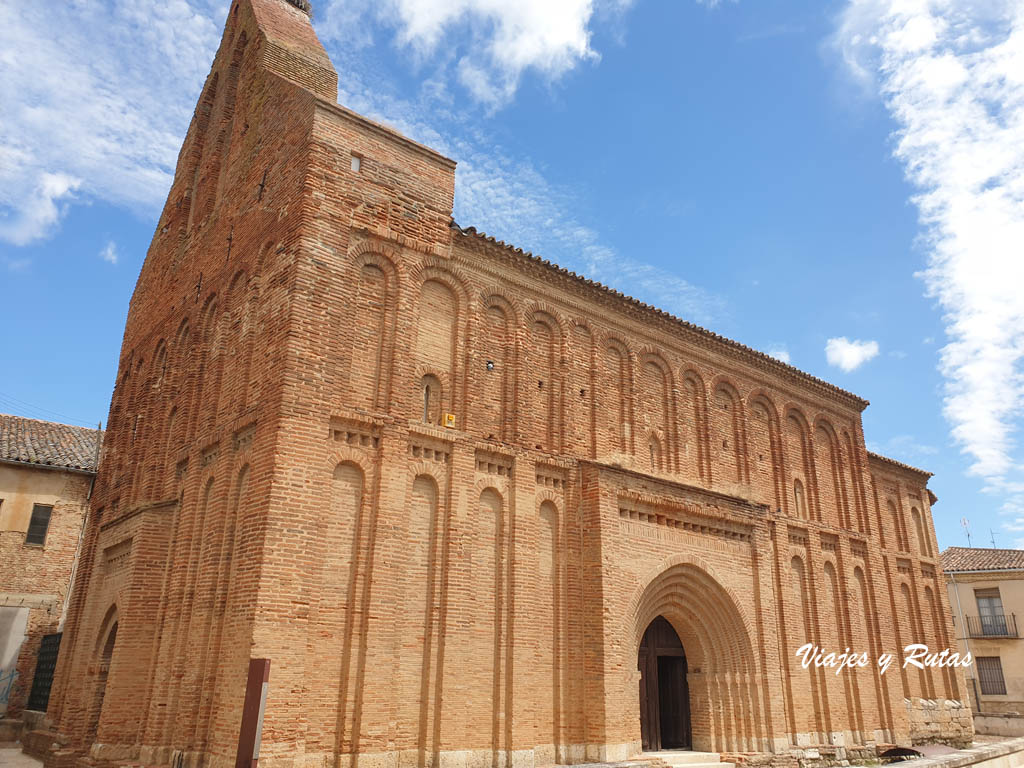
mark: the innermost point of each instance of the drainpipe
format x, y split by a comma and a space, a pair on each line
967, 644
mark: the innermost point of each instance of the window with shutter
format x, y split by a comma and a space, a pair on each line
39, 524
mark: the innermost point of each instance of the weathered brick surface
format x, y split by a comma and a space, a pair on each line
38, 576
279, 474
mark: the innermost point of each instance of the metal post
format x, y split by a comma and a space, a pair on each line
252, 713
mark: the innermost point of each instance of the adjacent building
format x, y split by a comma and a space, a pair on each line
468, 508
46, 475
986, 593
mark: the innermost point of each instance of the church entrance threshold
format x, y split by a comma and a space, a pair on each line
664, 694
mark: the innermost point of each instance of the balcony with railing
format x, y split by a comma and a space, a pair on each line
992, 625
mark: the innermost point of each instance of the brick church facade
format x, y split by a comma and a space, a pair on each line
475, 509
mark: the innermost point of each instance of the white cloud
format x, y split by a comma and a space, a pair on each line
951, 73
96, 99
104, 95
849, 355
904, 448
109, 252
35, 215
490, 44
779, 352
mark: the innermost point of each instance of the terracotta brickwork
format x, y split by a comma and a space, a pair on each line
46, 469
36, 577
445, 486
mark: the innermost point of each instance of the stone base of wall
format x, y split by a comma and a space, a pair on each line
1004, 724
43, 743
542, 755
823, 756
988, 707
940, 721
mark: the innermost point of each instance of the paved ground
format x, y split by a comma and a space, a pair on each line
13, 757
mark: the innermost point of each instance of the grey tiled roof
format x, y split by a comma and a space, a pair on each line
48, 444
982, 559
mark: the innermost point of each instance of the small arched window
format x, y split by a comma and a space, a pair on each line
430, 399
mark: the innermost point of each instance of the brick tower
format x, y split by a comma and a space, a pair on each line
475, 509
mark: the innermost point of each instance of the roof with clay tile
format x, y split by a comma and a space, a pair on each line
957, 559
48, 444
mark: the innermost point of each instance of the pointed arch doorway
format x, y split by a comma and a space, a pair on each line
664, 692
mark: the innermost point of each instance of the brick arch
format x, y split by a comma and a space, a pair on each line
833, 474
346, 455
689, 374
575, 322
664, 435
737, 455
541, 405
502, 299
805, 467
481, 484
422, 369
858, 492
537, 308
428, 272
546, 494
446, 274
111, 616
495, 412
381, 255
435, 407
427, 468
717, 636
609, 340
761, 397
648, 354
99, 669
681, 565
369, 377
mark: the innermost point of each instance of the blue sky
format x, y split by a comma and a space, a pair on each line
837, 182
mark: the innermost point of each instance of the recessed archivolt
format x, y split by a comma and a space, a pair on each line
110, 618
385, 258
446, 275
542, 313
693, 377
681, 585
499, 299
722, 382
347, 455
418, 469
760, 397
548, 495
381, 260
716, 637
499, 485
796, 413
581, 324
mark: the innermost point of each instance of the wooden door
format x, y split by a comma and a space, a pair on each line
673, 702
664, 694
